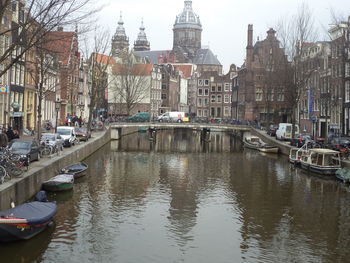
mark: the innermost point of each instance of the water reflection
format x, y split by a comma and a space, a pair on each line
218, 204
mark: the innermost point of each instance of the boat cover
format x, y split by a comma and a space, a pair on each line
35, 213
74, 168
62, 178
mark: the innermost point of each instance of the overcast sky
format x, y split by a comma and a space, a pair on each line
224, 22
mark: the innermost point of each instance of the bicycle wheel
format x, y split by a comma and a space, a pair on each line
45, 151
13, 170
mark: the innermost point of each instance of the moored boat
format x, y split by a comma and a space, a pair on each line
321, 161
254, 142
343, 175
61, 182
25, 221
78, 170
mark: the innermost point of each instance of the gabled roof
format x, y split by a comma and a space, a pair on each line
187, 70
137, 69
61, 43
154, 57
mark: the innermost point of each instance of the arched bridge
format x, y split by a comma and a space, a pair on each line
118, 130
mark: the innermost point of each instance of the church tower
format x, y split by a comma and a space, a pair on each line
120, 42
187, 33
141, 44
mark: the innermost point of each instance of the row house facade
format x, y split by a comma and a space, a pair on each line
214, 95
5, 41
317, 104
340, 72
65, 46
259, 94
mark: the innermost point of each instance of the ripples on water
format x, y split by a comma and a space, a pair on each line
228, 206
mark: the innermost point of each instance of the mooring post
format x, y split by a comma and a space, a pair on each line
152, 133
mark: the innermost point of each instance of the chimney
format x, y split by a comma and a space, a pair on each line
249, 58
250, 35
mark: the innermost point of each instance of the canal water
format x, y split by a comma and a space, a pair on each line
177, 199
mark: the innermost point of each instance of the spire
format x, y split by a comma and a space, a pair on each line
141, 44
120, 29
188, 5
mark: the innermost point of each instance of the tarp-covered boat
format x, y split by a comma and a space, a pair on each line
343, 174
61, 182
26, 220
78, 169
254, 142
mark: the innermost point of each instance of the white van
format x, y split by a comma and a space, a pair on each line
173, 116
284, 131
68, 135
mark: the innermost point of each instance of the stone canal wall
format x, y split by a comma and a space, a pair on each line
20, 189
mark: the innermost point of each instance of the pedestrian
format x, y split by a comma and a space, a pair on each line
15, 134
10, 134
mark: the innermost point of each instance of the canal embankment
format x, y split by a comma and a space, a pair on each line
22, 188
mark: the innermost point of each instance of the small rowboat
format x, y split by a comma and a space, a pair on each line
254, 142
25, 221
61, 182
78, 170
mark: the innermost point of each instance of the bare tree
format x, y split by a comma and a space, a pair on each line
37, 17
131, 82
294, 34
98, 64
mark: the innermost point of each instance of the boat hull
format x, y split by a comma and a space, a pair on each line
330, 171
57, 187
11, 233
77, 170
269, 150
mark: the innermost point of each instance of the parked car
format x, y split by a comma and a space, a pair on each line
284, 131
68, 134
300, 140
139, 117
82, 134
272, 130
53, 139
26, 149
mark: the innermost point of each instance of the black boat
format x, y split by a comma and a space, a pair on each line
78, 170
25, 221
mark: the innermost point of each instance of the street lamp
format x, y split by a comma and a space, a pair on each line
57, 107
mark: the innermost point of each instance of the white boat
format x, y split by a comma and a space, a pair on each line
321, 161
254, 142
295, 154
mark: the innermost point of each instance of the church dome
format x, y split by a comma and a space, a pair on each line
188, 19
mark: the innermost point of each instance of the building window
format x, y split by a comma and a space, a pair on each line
200, 92
258, 94
199, 113
280, 96
219, 98
347, 69
270, 95
219, 89
212, 88
206, 82
226, 111
199, 102
206, 92
227, 86
205, 113
200, 82
163, 96
212, 98
226, 98
347, 91
163, 86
